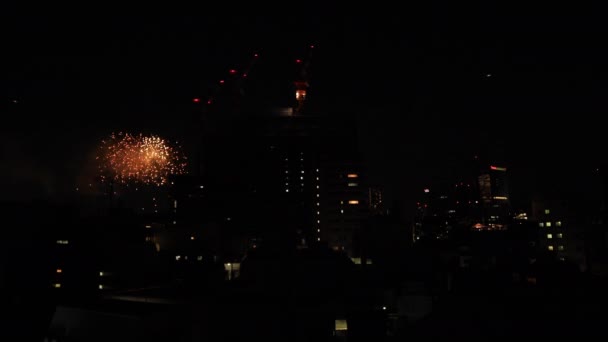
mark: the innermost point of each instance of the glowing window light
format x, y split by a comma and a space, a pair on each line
560, 235
341, 325
353, 184
100, 287
541, 224
59, 270
500, 197
558, 223
550, 247
57, 285
196, 100
560, 248
353, 202
62, 242
549, 236
352, 175
547, 211
101, 273
548, 224
427, 191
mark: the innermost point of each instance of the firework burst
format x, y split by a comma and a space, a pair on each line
126, 158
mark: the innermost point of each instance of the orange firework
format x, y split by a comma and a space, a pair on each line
126, 158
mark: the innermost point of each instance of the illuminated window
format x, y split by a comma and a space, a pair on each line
352, 184
547, 211
302, 171
550, 247
558, 223
318, 212
57, 285
317, 178
318, 204
62, 242
560, 248
427, 190
59, 270
317, 186
100, 287
318, 239
148, 226
174, 204
286, 171
548, 224
200, 257
352, 175
286, 190
302, 178
340, 324
318, 230
317, 170
549, 236
318, 221
192, 238
101, 273
353, 202
341, 211
318, 195
541, 224
560, 235
178, 257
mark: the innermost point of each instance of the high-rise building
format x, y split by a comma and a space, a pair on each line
494, 197
285, 175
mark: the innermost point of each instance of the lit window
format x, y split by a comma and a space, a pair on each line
192, 238
62, 242
352, 175
199, 258
286, 171
318, 212
560, 248
550, 247
353, 202
317, 186
101, 273
301, 178
318, 239
178, 257
318, 230
547, 211
558, 223
427, 190
541, 224
286, 184
318, 204
317, 178
548, 224
318, 221
148, 226
302, 171
57, 285
560, 235
549, 236
341, 211
174, 204
100, 287
59, 270
341, 325
317, 170
352, 184
341, 202
286, 190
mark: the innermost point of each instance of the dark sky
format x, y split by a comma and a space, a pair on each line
431, 84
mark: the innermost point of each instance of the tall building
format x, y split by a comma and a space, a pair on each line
494, 197
286, 176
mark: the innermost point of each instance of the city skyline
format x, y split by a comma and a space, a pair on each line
424, 99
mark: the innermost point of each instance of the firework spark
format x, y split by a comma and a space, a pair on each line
127, 158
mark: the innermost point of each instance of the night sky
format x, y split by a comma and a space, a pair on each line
431, 85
